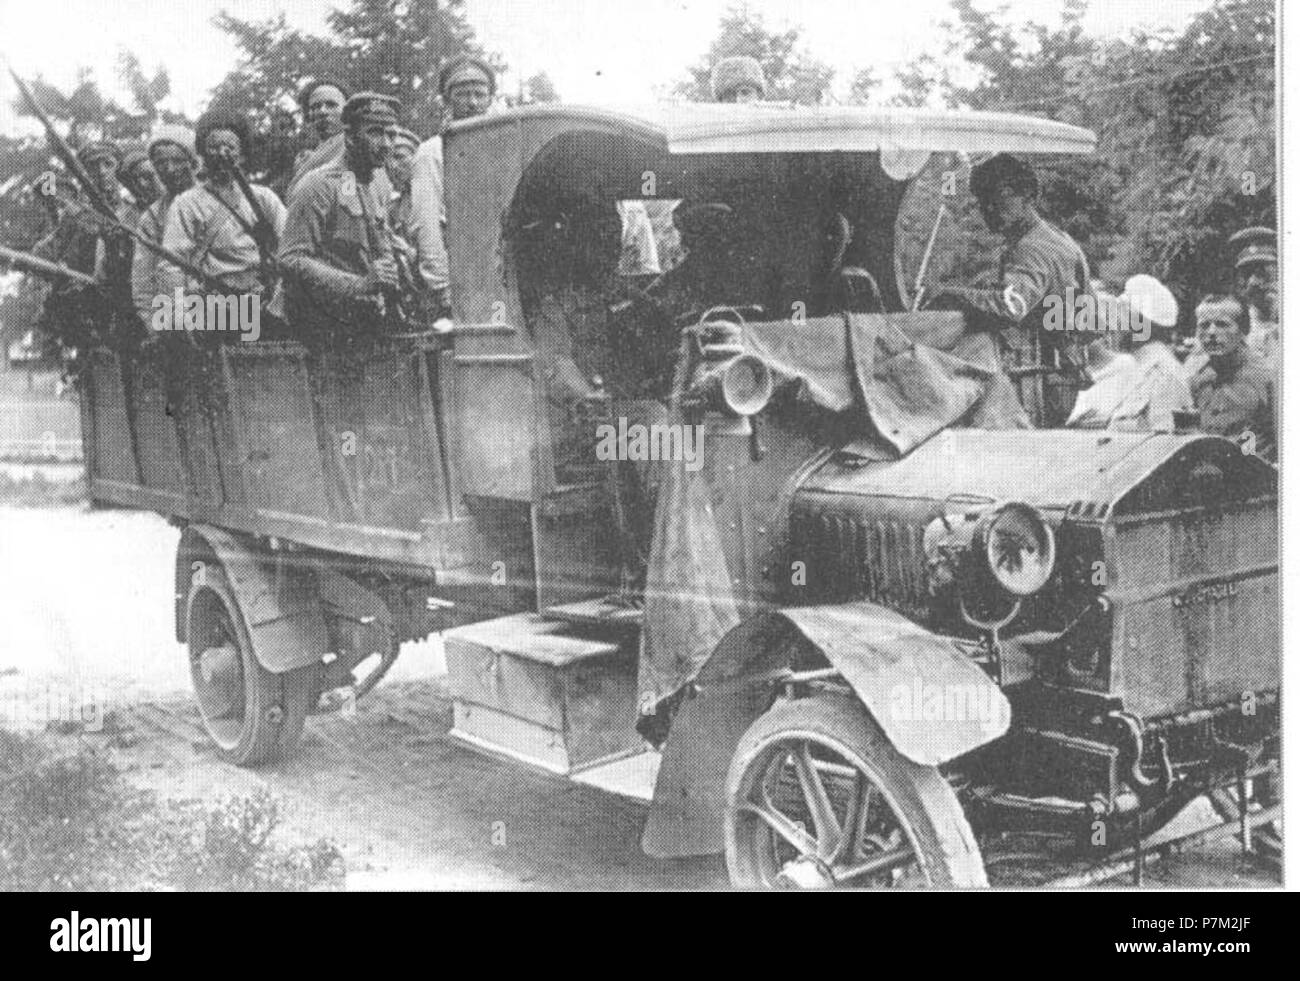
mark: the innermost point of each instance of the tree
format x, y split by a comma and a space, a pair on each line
791, 73
389, 46
921, 83
540, 88
863, 90
1185, 121
81, 114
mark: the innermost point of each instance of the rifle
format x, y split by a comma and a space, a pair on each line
36, 266
97, 200
262, 232
64, 152
208, 282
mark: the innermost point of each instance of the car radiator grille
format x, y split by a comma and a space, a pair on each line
1196, 606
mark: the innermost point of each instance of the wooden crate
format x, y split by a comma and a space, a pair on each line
537, 691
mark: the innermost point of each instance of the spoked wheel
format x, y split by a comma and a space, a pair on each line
250, 713
817, 798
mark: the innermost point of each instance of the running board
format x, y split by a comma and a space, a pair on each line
631, 778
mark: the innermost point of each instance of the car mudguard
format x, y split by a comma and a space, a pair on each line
279, 600
932, 701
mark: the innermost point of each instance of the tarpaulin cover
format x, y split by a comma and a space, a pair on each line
905, 376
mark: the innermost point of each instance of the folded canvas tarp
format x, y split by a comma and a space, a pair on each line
902, 378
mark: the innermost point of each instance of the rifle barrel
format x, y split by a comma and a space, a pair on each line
36, 266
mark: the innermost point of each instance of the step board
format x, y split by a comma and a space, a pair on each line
632, 777
543, 692
602, 612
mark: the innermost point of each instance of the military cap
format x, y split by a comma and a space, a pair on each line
181, 136
132, 157
466, 68
732, 73
215, 119
1003, 170
98, 150
370, 107
1255, 244
405, 136
305, 92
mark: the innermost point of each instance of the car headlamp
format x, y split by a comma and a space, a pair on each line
1004, 551
1015, 544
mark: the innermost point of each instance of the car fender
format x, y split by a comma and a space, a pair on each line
932, 701
279, 600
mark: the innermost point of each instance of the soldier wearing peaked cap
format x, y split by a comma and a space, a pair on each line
1257, 281
738, 79
399, 166
342, 265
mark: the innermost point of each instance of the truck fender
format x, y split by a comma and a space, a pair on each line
279, 600
932, 701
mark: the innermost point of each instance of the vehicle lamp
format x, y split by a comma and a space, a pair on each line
1015, 543
1007, 550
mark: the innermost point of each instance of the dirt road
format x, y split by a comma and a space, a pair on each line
85, 598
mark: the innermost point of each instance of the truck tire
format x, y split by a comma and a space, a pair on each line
252, 715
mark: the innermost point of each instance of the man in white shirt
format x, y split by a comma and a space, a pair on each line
1141, 391
213, 225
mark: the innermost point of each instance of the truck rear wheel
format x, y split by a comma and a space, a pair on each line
250, 713
817, 797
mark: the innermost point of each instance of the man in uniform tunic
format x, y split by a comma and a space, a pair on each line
337, 254
171, 151
468, 86
1234, 391
1257, 284
86, 242
321, 101
1039, 265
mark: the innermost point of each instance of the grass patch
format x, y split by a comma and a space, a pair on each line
69, 823
38, 491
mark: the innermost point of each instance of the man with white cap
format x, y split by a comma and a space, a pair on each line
1161, 390
467, 86
1142, 390
171, 151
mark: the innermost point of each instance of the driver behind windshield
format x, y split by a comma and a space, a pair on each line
1039, 264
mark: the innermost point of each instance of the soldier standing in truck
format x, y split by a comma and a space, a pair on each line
338, 251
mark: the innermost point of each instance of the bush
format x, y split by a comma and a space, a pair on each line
70, 823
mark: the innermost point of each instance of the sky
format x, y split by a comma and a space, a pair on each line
596, 51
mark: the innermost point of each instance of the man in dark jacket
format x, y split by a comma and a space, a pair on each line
1041, 266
